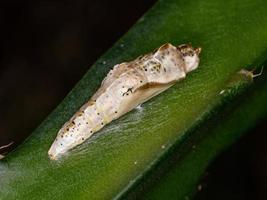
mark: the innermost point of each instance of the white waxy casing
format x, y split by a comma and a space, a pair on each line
125, 87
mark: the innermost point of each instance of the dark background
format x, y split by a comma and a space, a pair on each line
46, 47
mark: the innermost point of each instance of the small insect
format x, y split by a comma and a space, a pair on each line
4, 147
126, 86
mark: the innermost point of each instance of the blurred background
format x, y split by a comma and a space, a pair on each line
47, 46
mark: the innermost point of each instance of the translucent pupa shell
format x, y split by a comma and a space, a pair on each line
125, 87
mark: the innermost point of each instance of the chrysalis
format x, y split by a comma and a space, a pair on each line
125, 87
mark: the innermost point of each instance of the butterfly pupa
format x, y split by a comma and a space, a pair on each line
126, 86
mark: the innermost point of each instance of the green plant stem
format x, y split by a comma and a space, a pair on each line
232, 34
